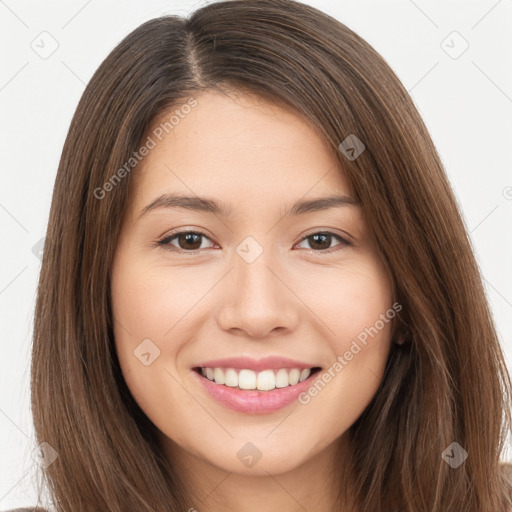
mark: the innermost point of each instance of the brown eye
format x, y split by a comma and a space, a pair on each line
321, 241
186, 241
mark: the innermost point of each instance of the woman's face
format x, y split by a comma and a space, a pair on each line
276, 289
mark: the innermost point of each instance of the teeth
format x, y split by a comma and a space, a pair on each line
282, 378
294, 376
247, 379
231, 378
218, 376
304, 374
265, 380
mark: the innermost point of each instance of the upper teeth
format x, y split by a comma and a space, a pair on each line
265, 380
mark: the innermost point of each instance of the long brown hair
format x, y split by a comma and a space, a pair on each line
446, 383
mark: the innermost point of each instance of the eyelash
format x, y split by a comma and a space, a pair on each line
165, 242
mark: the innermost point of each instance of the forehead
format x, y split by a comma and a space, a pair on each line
237, 146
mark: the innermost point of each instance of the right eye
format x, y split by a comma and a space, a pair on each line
187, 241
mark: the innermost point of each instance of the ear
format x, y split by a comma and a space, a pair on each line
400, 336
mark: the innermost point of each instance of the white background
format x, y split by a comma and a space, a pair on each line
466, 103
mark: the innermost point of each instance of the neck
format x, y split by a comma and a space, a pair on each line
313, 485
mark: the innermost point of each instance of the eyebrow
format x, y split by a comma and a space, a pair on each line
202, 204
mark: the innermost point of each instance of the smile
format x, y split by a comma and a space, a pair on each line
240, 389
265, 380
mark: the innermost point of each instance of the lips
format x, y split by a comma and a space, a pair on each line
239, 397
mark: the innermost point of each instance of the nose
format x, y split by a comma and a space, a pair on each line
257, 300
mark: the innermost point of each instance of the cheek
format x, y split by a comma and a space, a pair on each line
349, 299
141, 316
155, 311
357, 307
148, 306
150, 301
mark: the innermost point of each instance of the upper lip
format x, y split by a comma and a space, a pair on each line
265, 363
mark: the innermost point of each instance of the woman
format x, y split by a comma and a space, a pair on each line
199, 346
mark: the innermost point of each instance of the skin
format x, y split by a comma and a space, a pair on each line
298, 299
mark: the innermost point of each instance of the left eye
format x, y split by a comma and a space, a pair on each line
321, 239
191, 241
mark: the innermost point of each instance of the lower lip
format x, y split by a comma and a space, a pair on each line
253, 401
